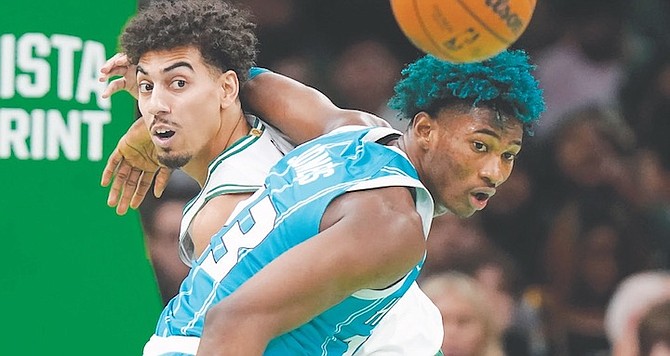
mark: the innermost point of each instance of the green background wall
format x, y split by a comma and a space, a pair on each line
74, 276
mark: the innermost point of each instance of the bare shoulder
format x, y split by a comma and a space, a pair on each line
211, 218
301, 112
379, 231
387, 203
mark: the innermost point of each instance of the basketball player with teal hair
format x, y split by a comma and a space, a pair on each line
317, 258
337, 234
502, 83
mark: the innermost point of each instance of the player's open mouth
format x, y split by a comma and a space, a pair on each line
480, 199
164, 134
481, 196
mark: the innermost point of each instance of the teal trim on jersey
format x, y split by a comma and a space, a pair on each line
439, 353
323, 192
254, 71
394, 170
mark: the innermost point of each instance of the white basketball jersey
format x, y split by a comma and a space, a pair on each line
241, 168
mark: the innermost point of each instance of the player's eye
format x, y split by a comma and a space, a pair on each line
178, 84
509, 156
479, 146
146, 87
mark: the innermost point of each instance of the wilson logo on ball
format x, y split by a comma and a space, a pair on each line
501, 7
463, 30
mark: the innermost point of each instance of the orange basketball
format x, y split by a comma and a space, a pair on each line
463, 30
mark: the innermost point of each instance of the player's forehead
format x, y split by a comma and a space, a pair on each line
158, 62
486, 121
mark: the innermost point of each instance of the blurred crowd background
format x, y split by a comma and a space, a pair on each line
574, 249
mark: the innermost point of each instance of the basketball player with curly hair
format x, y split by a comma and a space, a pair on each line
246, 159
316, 258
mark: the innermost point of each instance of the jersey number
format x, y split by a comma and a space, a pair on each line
244, 233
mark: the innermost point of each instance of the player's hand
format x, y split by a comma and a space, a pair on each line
119, 65
131, 168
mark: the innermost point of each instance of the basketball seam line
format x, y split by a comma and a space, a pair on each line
428, 34
479, 20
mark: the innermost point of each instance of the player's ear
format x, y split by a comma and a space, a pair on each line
229, 87
423, 128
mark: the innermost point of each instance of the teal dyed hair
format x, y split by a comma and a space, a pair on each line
502, 82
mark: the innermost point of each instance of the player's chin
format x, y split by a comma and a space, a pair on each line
174, 160
464, 210
466, 214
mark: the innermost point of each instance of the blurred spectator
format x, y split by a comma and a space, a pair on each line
649, 33
646, 101
594, 237
591, 148
161, 219
469, 328
586, 64
363, 76
512, 220
498, 275
544, 29
654, 330
578, 308
341, 23
451, 241
633, 298
277, 21
463, 248
593, 157
587, 160
646, 98
654, 182
299, 66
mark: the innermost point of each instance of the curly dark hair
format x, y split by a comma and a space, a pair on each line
222, 33
503, 83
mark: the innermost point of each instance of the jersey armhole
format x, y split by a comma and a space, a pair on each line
255, 71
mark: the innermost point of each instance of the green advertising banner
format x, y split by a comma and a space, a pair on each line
75, 278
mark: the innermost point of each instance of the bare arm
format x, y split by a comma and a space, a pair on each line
373, 239
211, 218
299, 111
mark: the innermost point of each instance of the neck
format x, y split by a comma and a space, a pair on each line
400, 143
229, 134
407, 144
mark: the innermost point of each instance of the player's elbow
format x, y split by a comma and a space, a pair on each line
230, 322
344, 117
221, 319
372, 120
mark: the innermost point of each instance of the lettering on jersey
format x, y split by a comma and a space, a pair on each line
242, 235
312, 164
